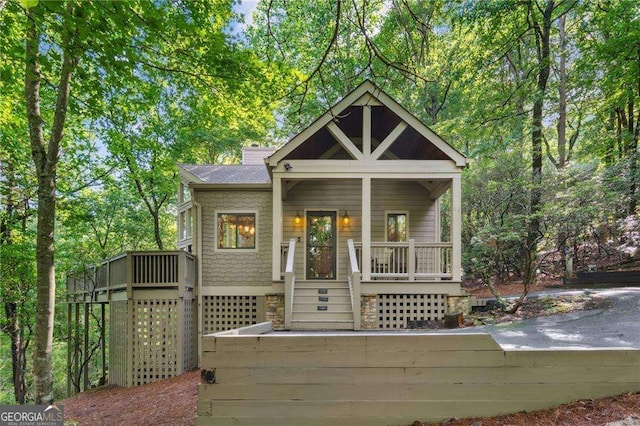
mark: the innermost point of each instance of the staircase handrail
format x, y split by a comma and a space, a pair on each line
289, 283
354, 278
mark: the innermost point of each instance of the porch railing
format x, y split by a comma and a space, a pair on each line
408, 260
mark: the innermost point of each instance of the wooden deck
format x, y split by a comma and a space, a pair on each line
173, 271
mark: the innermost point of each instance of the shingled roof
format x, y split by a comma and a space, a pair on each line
227, 175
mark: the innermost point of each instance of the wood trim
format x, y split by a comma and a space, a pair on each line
344, 140
365, 87
366, 131
389, 140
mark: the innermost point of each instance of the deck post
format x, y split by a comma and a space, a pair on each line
456, 228
277, 228
182, 274
85, 364
69, 343
366, 229
411, 262
131, 327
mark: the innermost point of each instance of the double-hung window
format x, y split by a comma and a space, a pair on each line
236, 230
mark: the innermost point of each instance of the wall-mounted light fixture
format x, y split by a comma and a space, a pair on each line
346, 219
288, 167
297, 221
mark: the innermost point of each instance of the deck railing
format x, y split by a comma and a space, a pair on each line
408, 260
136, 269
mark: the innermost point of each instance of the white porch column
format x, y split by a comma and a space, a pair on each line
366, 229
277, 227
456, 227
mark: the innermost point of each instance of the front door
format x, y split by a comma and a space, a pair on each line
321, 245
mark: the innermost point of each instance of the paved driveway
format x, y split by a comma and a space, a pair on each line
617, 326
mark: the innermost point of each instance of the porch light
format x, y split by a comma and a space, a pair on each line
298, 219
345, 219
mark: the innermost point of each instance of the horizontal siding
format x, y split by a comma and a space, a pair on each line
402, 196
341, 195
334, 194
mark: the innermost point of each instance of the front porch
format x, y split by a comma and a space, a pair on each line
409, 283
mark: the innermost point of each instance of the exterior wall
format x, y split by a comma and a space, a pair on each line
379, 379
236, 267
335, 194
346, 194
389, 195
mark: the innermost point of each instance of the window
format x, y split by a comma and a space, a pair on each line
236, 230
397, 227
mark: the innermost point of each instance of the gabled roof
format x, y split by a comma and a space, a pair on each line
225, 174
332, 126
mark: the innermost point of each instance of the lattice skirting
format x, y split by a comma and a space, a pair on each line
155, 336
220, 313
394, 310
189, 342
118, 326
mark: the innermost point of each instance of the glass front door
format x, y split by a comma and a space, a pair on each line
321, 245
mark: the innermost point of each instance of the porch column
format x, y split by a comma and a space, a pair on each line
366, 229
456, 228
277, 227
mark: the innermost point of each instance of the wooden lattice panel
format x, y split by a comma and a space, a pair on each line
154, 340
118, 326
394, 310
189, 360
222, 313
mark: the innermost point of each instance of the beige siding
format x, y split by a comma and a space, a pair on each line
331, 195
236, 267
389, 195
380, 379
340, 195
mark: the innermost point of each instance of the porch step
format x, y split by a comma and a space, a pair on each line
322, 316
315, 284
322, 299
321, 307
321, 325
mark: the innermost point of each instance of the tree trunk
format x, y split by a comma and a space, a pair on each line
544, 68
45, 159
562, 94
12, 326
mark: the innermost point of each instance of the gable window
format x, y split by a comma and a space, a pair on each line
236, 230
397, 227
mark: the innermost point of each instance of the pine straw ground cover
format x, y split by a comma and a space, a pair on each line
173, 401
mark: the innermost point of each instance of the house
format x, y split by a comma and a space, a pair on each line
341, 228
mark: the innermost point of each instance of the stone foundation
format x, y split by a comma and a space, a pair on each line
459, 303
274, 310
369, 311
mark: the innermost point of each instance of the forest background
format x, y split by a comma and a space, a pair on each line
99, 101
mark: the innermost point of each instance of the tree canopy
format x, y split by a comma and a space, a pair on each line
100, 100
